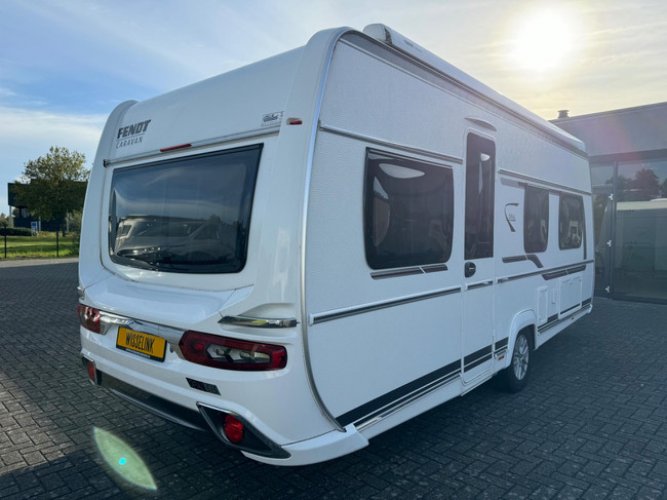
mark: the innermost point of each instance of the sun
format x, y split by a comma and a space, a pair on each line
543, 40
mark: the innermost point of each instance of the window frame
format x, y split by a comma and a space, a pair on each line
528, 191
564, 238
374, 258
246, 206
484, 203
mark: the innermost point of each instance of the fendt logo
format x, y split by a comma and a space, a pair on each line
132, 134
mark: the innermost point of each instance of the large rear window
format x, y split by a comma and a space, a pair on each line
188, 215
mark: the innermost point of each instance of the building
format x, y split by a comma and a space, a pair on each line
20, 211
628, 156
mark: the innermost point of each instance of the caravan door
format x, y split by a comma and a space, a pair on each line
478, 281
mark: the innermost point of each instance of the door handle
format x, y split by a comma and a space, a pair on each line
469, 269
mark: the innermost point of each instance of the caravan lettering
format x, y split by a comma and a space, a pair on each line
134, 129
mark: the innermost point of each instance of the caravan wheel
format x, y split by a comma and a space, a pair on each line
515, 376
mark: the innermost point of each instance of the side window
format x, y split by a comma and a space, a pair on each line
408, 211
535, 220
480, 181
570, 221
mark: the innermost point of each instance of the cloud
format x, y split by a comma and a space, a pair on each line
28, 134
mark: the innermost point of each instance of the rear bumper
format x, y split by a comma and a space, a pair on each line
256, 445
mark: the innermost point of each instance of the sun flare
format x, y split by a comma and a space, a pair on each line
543, 40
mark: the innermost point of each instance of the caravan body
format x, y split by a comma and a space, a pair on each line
304, 252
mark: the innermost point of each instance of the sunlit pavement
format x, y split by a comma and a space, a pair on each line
592, 423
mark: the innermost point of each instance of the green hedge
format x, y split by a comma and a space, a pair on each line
15, 231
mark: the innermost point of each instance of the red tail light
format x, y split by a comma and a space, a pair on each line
233, 428
231, 354
89, 318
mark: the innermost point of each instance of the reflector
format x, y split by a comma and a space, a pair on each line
233, 428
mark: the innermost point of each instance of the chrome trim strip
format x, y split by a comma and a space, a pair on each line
172, 335
544, 271
408, 271
362, 309
197, 145
314, 126
392, 145
541, 183
259, 322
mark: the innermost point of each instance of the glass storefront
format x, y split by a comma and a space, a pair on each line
630, 217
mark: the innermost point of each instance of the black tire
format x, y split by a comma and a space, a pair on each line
515, 376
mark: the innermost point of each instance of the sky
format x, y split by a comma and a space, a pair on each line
65, 64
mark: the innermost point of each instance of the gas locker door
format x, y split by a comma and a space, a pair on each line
478, 273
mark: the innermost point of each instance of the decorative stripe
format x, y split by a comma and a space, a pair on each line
576, 306
385, 402
500, 344
353, 311
481, 284
553, 320
563, 272
520, 258
555, 274
477, 358
575, 268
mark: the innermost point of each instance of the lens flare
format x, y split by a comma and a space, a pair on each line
123, 460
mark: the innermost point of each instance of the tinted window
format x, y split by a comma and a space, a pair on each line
536, 220
570, 221
602, 176
408, 211
480, 177
189, 215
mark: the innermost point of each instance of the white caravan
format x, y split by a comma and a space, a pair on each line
305, 252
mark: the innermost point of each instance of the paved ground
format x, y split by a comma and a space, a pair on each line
592, 423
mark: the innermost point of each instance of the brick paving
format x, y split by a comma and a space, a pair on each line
591, 424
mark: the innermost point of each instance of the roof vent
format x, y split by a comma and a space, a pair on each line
563, 113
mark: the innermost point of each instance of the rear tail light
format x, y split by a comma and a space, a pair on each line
89, 318
231, 354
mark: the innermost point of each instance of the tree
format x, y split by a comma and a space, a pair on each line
54, 185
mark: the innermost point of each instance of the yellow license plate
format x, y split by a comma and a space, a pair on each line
146, 344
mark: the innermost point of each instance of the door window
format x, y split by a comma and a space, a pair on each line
480, 178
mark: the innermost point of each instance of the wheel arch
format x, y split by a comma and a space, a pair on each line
524, 321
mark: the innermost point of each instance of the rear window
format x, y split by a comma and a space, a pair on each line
188, 215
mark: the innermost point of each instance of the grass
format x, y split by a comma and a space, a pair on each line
42, 246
